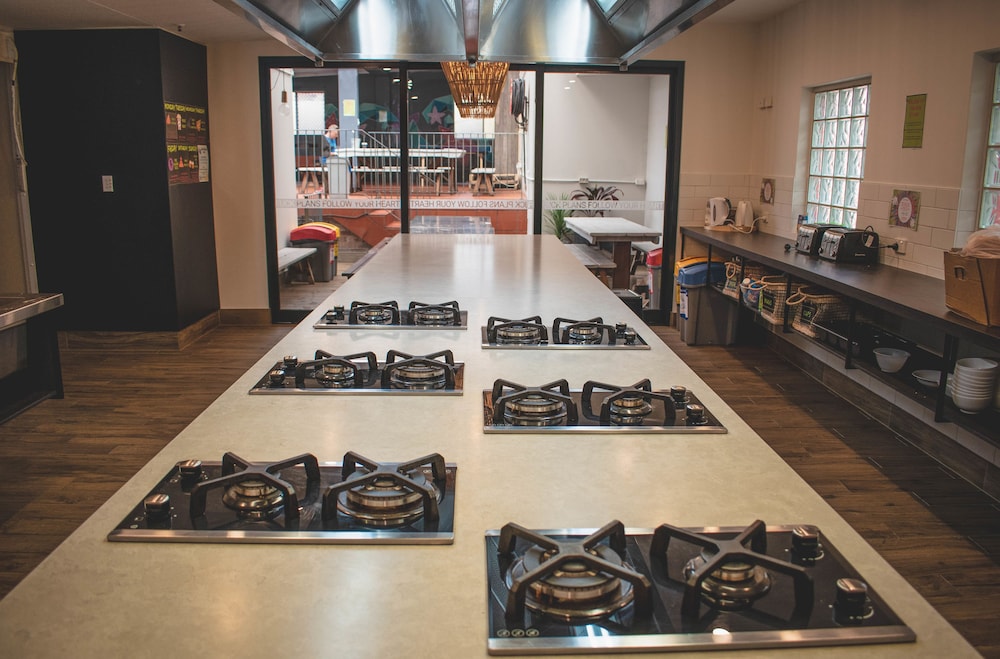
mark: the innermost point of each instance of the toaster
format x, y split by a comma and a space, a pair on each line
844, 245
809, 237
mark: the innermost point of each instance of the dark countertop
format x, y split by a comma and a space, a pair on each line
901, 292
16, 308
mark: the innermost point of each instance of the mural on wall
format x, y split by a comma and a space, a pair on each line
904, 208
187, 143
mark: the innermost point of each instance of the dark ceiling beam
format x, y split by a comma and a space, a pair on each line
470, 23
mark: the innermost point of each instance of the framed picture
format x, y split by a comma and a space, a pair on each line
904, 209
767, 191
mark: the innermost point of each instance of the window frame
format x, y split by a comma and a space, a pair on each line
989, 194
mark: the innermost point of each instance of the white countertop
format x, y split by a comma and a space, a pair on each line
93, 598
597, 229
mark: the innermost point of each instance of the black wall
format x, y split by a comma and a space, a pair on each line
142, 257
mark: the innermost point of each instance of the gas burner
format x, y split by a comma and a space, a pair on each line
364, 313
573, 581
591, 332
419, 373
547, 405
298, 500
728, 575
388, 315
524, 332
362, 373
387, 494
446, 314
575, 591
254, 490
566, 333
599, 407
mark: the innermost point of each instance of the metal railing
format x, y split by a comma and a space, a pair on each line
439, 162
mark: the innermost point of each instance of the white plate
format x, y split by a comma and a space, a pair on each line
928, 378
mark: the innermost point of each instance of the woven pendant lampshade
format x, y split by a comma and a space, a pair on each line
475, 88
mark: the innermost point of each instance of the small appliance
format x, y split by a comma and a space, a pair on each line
810, 236
744, 214
844, 245
717, 211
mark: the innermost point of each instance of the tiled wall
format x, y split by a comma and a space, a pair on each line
938, 218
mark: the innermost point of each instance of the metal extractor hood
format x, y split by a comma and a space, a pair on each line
599, 32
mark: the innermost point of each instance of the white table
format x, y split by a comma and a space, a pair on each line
620, 233
386, 160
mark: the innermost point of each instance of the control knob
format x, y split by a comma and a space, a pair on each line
852, 605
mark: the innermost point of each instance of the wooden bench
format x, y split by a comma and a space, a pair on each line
596, 260
357, 265
298, 257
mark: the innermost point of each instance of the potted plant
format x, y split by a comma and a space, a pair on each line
595, 193
555, 219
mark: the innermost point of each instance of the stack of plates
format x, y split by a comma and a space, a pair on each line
974, 385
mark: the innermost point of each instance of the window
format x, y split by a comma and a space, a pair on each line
989, 209
837, 154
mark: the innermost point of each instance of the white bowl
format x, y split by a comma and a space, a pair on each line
971, 405
978, 377
891, 360
928, 378
977, 364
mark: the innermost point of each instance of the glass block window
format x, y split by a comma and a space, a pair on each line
989, 208
837, 154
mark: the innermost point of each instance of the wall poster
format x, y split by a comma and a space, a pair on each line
187, 143
904, 209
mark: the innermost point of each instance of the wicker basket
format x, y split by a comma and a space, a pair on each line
814, 308
736, 272
773, 292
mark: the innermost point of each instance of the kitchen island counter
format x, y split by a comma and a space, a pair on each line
94, 598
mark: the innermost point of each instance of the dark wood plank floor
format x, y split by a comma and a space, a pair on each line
62, 459
941, 533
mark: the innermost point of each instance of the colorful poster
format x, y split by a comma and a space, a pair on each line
187, 143
904, 208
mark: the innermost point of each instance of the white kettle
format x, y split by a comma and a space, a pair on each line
717, 211
744, 214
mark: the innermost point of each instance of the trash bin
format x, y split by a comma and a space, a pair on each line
323, 237
654, 264
705, 317
631, 299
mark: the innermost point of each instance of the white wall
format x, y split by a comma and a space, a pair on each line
906, 46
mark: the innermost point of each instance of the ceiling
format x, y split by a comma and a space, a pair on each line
565, 31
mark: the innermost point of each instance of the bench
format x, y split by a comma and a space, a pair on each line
357, 265
594, 259
639, 253
299, 257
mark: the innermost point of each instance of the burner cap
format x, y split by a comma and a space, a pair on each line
733, 585
535, 410
374, 315
519, 334
576, 591
336, 375
254, 499
584, 334
419, 375
630, 410
386, 501
433, 316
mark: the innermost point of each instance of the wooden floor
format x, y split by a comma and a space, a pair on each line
938, 531
62, 459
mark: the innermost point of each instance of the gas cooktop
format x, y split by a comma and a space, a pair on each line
597, 408
631, 590
530, 333
388, 315
362, 373
298, 500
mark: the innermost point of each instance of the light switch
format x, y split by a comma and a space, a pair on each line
108, 183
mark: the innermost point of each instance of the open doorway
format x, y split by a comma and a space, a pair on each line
401, 158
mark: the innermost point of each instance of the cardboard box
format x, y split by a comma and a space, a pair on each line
972, 287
